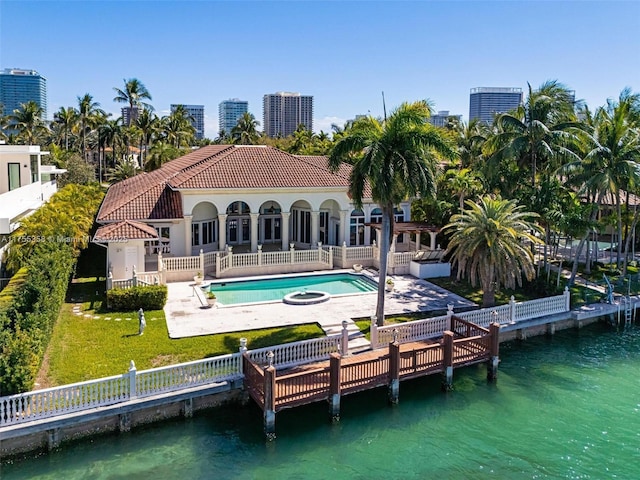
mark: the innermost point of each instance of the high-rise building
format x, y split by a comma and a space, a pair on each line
229, 112
130, 114
196, 112
442, 118
486, 102
19, 86
284, 111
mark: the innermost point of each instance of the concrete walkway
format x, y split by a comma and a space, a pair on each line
186, 317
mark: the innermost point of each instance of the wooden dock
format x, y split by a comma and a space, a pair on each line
273, 390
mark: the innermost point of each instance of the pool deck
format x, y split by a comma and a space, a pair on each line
186, 317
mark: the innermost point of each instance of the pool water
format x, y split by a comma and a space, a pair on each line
274, 289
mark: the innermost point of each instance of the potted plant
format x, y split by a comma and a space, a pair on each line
389, 285
198, 278
211, 298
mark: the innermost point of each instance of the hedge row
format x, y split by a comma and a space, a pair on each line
27, 322
152, 297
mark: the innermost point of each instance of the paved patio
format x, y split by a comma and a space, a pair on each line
186, 317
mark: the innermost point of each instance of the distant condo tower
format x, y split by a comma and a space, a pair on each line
441, 118
284, 111
485, 102
196, 112
229, 112
18, 86
130, 115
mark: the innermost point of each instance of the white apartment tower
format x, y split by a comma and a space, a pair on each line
284, 111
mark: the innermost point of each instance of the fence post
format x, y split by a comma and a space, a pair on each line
567, 299
134, 278
494, 359
132, 380
447, 361
202, 262
374, 331
292, 251
330, 257
344, 255
344, 344
160, 264
109, 281
334, 387
394, 371
449, 316
217, 265
259, 254
270, 401
512, 309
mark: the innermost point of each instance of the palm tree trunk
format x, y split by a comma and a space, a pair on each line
627, 242
387, 219
574, 269
619, 225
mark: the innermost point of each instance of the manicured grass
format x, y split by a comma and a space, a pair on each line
84, 347
464, 289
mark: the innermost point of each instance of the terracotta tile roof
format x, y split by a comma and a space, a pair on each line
259, 167
147, 195
126, 230
154, 195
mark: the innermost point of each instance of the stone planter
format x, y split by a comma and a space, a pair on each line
389, 287
211, 301
197, 280
357, 268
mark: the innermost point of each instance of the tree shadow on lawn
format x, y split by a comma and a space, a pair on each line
88, 290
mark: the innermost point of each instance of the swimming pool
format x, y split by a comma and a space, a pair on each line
274, 289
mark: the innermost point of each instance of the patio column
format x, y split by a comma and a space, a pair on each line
285, 230
393, 243
417, 241
315, 227
343, 226
187, 234
254, 231
432, 235
222, 230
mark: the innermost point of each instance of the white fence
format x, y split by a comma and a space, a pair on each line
51, 402
298, 353
512, 312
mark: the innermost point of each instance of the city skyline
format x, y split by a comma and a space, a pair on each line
434, 50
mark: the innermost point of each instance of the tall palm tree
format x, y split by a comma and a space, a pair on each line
133, 94
67, 119
611, 162
537, 131
159, 154
87, 111
488, 244
245, 131
147, 124
463, 183
27, 120
396, 158
178, 129
111, 132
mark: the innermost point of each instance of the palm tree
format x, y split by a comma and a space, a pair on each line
111, 133
159, 154
462, 183
133, 94
177, 128
124, 169
245, 132
147, 124
396, 158
610, 163
488, 245
537, 131
67, 118
27, 120
87, 111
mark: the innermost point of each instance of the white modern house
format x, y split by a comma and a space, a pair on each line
247, 202
25, 184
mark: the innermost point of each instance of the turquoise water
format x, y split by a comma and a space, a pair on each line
566, 407
274, 289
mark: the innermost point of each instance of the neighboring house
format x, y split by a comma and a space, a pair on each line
25, 184
236, 196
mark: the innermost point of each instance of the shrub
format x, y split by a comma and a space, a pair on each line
13, 287
152, 297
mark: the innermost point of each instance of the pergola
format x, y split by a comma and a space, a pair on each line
416, 228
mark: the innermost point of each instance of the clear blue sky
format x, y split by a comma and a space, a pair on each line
342, 53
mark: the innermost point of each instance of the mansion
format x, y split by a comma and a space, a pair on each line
236, 198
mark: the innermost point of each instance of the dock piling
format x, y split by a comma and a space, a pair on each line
394, 371
334, 387
447, 345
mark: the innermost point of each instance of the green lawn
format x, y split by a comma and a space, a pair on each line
84, 347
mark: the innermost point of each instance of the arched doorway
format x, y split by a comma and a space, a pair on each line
204, 227
270, 223
238, 224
